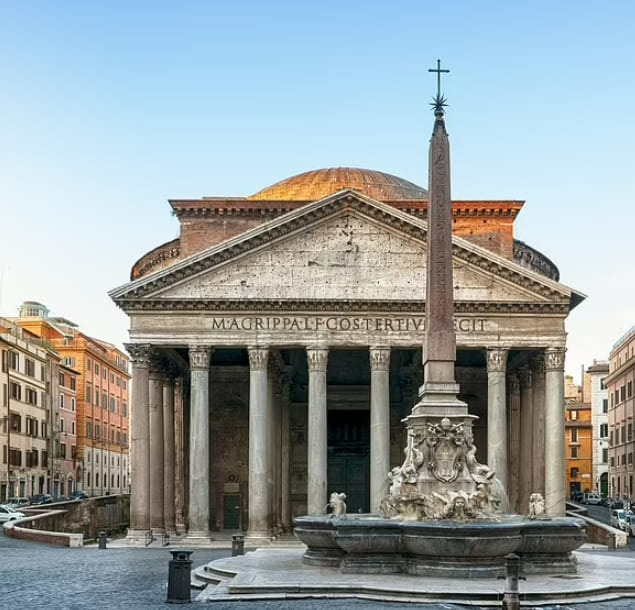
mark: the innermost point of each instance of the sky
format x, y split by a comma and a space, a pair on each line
109, 109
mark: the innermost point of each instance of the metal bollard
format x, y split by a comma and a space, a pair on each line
179, 577
102, 539
238, 545
511, 598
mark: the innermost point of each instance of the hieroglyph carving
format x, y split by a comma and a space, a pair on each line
200, 356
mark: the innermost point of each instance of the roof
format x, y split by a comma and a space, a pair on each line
319, 183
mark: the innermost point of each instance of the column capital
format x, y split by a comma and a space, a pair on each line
317, 358
157, 365
496, 359
200, 356
554, 358
258, 358
537, 364
513, 383
379, 358
525, 377
139, 353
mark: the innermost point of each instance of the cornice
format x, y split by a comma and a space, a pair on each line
260, 306
339, 203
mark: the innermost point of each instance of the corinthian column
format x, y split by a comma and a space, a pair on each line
526, 442
179, 458
259, 457
156, 445
379, 424
168, 452
513, 475
139, 443
538, 374
555, 479
316, 458
200, 356
497, 413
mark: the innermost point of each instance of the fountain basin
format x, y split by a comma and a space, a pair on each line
370, 544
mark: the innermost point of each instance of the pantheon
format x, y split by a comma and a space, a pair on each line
276, 347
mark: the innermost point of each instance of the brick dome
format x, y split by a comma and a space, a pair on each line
318, 183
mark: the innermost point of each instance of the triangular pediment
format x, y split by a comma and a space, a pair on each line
345, 247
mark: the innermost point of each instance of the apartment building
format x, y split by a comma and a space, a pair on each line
621, 410
600, 418
578, 439
26, 417
101, 399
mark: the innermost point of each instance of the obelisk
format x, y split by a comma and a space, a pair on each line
439, 390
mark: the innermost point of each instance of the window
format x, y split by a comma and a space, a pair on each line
96, 369
88, 479
118, 381
15, 457
29, 367
45, 429
612, 462
72, 427
72, 404
604, 430
16, 422
14, 361
574, 415
73, 383
89, 393
605, 456
105, 373
63, 451
89, 429
623, 434
68, 361
630, 459
96, 397
61, 380
61, 424
61, 401
104, 401
97, 430
630, 432
574, 473
15, 389
45, 457
629, 389
31, 396
574, 435
73, 452
125, 410
112, 404
123, 383
605, 405
623, 393
574, 452
112, 378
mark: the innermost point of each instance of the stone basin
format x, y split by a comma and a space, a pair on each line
370, 544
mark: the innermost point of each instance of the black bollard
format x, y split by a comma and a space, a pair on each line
179, 577
511, 597
102, 539
238, 544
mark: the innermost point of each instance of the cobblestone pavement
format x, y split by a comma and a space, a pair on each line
36, 576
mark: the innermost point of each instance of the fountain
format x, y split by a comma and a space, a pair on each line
445, 514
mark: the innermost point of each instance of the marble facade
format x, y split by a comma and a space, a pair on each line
245, 355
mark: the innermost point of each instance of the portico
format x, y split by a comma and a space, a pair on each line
276, 366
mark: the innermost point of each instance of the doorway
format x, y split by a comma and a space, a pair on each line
349, 457
231, 511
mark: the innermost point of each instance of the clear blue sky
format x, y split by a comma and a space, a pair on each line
109, 109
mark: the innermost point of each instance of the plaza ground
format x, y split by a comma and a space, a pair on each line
36, 576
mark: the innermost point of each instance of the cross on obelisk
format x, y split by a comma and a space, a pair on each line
438, 70
439, 391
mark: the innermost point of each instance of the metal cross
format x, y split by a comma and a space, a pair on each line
438, 71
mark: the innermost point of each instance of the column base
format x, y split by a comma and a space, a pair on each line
259, 536
197, 537
138, 537
158, 531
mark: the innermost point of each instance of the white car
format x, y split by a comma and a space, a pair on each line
618, 518
8, 513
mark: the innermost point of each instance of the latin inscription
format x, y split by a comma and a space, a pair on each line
338, 324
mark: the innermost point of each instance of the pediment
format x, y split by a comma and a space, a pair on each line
346, 248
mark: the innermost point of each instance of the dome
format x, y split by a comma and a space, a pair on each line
318, 183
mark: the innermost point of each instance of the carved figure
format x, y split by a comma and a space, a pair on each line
536, 506
337, 504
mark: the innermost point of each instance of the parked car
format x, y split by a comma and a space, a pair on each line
577, 496
78, 495
18, 501
592, 498
630, 524
618, 518
8, 513
43, 499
